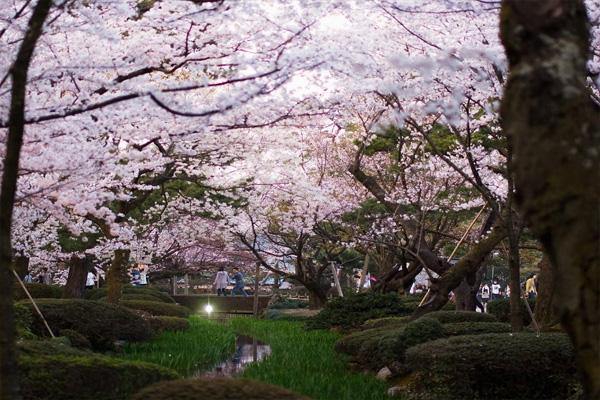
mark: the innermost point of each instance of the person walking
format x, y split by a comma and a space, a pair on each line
143, 276
496, 290
530, 288
28, 278
90, 281
485, 295
221, 282
45, 277
238, 287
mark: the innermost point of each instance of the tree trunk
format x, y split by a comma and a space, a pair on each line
317, 295
554, 128
78, 270
9, 378
21, 264
117, 275
468, 264
545, 309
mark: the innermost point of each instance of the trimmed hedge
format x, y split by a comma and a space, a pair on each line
100, 293
100, 323
216, 389
475, 328
494, 366
86, 377
500, 308
385, 322
162, 324
353, 310
38, 291
76, 339
49, 347
23, 321
157, 308
447, 317
288, 304
142, 297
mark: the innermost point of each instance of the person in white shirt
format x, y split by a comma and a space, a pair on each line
143, 276
221, 282
485, 295
496, 290
90, 280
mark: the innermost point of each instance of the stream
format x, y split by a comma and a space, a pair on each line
248, 351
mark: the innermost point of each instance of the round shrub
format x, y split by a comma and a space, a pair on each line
475, 328
162, 324
353, 310
446, 317
100, 293
500, 308
157, 308
494, 366
38, 291
76, 339
216, 389
86, 377
100, 323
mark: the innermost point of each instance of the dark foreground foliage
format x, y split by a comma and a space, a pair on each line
157, 308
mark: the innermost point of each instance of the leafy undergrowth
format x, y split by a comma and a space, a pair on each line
305, 362
196, 349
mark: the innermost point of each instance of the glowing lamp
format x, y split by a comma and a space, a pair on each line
208, 308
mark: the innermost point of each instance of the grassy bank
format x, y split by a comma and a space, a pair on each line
200, 347
305, 361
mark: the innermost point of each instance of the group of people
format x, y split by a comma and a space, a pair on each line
139, 275
45, 277
222, 281
495, 290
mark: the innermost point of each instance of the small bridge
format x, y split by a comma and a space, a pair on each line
223, 304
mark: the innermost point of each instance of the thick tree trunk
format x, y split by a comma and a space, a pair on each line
9, 379
21, 264
554, 128
78, 270
545, 309
117, 275
468, 264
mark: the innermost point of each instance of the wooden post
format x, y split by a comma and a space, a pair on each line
186, 289
174, 285
256, 281
336, 279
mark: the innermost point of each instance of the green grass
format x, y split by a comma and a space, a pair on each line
305, 362
197, 349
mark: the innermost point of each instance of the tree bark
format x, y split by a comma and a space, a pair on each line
21, 264
554, 128
117, 275
9, 379
78, 270
545, 307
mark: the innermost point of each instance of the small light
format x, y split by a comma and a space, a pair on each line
208, 308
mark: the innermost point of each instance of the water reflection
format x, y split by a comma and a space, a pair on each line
248, 351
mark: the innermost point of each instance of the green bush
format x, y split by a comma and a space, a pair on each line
288, 303
494, 366
49, 347
352, 311
446, 317
157, 308
390, 322
76, 339
501, 309
142, 297
172, 324
291, 314
475, 328
23, 321
91, 377
100, 323
100, 293
38, 291
216, 389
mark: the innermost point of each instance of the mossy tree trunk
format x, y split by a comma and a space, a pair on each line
554, 130
9, 379
117, 275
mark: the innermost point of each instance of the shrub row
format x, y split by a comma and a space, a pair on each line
494, 366
500, 308
353, 310
38, 291
100, 293
162, 324
91, 377
157, 308
100, 323
216, 389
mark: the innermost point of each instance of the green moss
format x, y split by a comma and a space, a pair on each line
157, 308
